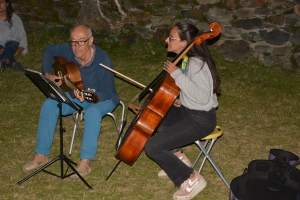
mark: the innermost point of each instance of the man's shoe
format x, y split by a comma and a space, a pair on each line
18, 67
83, 173
190, 188
162, 174
2, 66
38, 161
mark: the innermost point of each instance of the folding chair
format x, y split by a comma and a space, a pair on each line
118, 125
204, 149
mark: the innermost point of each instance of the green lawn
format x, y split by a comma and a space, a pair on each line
258, 110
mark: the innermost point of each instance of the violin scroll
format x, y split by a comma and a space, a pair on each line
215, 30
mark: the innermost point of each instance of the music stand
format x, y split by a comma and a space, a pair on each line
50, 89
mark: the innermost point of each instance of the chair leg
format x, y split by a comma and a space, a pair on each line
199, 155
118, 128
211, 160
115, 121
208, 150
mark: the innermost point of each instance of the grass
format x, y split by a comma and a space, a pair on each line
258, 110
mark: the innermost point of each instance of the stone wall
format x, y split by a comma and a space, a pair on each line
267, 30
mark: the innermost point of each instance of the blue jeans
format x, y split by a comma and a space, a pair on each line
92, 124
9, 51
180, 127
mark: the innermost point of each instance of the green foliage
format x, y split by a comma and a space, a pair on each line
258, 110
32, 2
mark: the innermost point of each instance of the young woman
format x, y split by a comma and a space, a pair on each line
193, 115
13, 40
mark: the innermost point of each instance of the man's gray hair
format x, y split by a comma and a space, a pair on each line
89, 29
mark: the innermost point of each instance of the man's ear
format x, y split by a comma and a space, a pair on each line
91, 40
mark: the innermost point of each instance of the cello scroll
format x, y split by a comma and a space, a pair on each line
215, 30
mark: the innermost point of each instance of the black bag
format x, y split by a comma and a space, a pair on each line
273, 179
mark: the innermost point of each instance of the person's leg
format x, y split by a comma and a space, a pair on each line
2, 66
1, 56
172, 117
48, 119
92, 125
8, 53
190, 128
158, 148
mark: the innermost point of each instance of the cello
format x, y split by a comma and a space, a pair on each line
156, 106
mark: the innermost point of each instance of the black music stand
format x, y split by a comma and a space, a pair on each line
51, 90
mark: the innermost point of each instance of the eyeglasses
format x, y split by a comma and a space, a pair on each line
172, 38
80, 43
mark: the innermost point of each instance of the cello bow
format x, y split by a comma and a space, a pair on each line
155, 107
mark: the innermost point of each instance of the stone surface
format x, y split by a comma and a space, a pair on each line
267, 30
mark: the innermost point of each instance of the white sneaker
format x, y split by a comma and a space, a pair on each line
162, 174
190, 188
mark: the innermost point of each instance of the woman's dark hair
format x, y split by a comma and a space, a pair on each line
189, 32
9, 12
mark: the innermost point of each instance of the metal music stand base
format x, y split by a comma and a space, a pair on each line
62, 158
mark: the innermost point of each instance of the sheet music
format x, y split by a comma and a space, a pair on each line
50, 89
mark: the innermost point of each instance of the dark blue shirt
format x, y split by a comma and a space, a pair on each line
93, 75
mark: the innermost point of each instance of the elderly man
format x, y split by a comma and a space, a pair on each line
80, 50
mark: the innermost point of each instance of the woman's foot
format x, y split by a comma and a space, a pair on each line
162, 174
191, 187
38, 161
82, 168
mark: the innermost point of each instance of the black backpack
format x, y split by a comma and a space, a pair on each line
273, 179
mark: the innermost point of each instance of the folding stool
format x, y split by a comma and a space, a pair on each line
118, 126
211, 138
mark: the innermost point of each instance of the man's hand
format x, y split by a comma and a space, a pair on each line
56, 79
78, 95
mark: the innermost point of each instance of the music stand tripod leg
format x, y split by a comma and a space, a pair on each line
61, 157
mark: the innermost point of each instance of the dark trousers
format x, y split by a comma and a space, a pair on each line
9, 51
180, 127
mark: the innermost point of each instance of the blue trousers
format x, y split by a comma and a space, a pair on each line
94, 112
180, 127
9, 51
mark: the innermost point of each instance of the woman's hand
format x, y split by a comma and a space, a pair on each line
170, 67
56, 79
177, 103
78, 95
